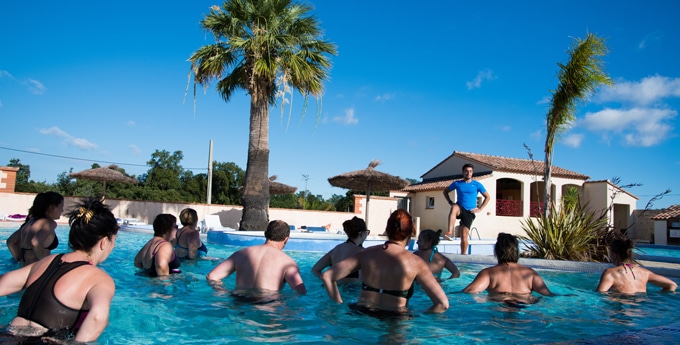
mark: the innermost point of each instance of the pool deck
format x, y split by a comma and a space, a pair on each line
668, 269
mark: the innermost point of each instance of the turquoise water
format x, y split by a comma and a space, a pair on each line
185, 310
667, 251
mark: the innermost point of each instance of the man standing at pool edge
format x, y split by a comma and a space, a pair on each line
466, 204
265, 266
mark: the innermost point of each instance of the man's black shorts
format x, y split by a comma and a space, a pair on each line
466, 217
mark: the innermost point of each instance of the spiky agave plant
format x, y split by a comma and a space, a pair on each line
567, 234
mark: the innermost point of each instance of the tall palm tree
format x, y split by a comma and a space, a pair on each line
262, 47
580, 77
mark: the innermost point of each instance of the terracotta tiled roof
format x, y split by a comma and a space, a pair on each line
516, 165
438, 185
671, 212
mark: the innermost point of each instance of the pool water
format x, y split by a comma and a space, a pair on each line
658, 250
184, 309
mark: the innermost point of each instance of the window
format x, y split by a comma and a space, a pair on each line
430, 202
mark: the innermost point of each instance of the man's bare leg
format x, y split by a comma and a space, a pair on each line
464, 233
455, 211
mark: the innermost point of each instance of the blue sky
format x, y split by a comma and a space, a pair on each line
105, 82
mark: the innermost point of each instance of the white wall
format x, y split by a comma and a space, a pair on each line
230, 215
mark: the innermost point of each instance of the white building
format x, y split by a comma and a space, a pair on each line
516, 190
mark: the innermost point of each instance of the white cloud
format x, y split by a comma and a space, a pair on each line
131, 123
647, 91
384, 98
537, 135
348, 119
135, 149
638, 126
481, 76
573, 140
5, 74
81, 143
0, 104
36, 87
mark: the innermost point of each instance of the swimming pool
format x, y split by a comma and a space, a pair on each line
183, 309
658, 250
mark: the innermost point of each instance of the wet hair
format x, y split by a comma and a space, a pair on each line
42, 203
468, 165
430, 236
353, 227
188, 216
277, 231
90, 221
163, 224
506, 248
399, 225
622, 248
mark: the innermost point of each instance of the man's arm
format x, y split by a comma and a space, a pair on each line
294, 279
447, 197
479, 284
484, 203
223, 270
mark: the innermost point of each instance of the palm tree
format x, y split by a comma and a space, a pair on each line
577, 80
261, 46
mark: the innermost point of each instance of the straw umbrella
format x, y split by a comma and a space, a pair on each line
277, 187
280, 188
369, 180
103, 174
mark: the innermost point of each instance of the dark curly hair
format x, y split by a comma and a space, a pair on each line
353, 227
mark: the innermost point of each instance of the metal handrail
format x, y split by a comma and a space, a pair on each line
477, 231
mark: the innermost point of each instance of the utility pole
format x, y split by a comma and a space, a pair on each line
304, 200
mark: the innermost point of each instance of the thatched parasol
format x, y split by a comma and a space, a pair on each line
277, 187
280, 188
103, 174
369, 180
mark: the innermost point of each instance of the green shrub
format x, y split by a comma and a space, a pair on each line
570, 233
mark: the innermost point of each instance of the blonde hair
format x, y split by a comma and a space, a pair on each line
188, 216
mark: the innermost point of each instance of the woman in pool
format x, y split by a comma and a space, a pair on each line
388, 273
66, 294
627, 276
427, 250
157, 257
188, 244
508, 281
356, 231
37, 237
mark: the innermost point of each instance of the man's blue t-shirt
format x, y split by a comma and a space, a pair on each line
466, 193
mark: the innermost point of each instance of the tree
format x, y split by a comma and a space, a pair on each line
165, 170
24, 173
259, 45
227, 178
577, 80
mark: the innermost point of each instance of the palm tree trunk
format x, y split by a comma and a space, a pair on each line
256, 187
547, 184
